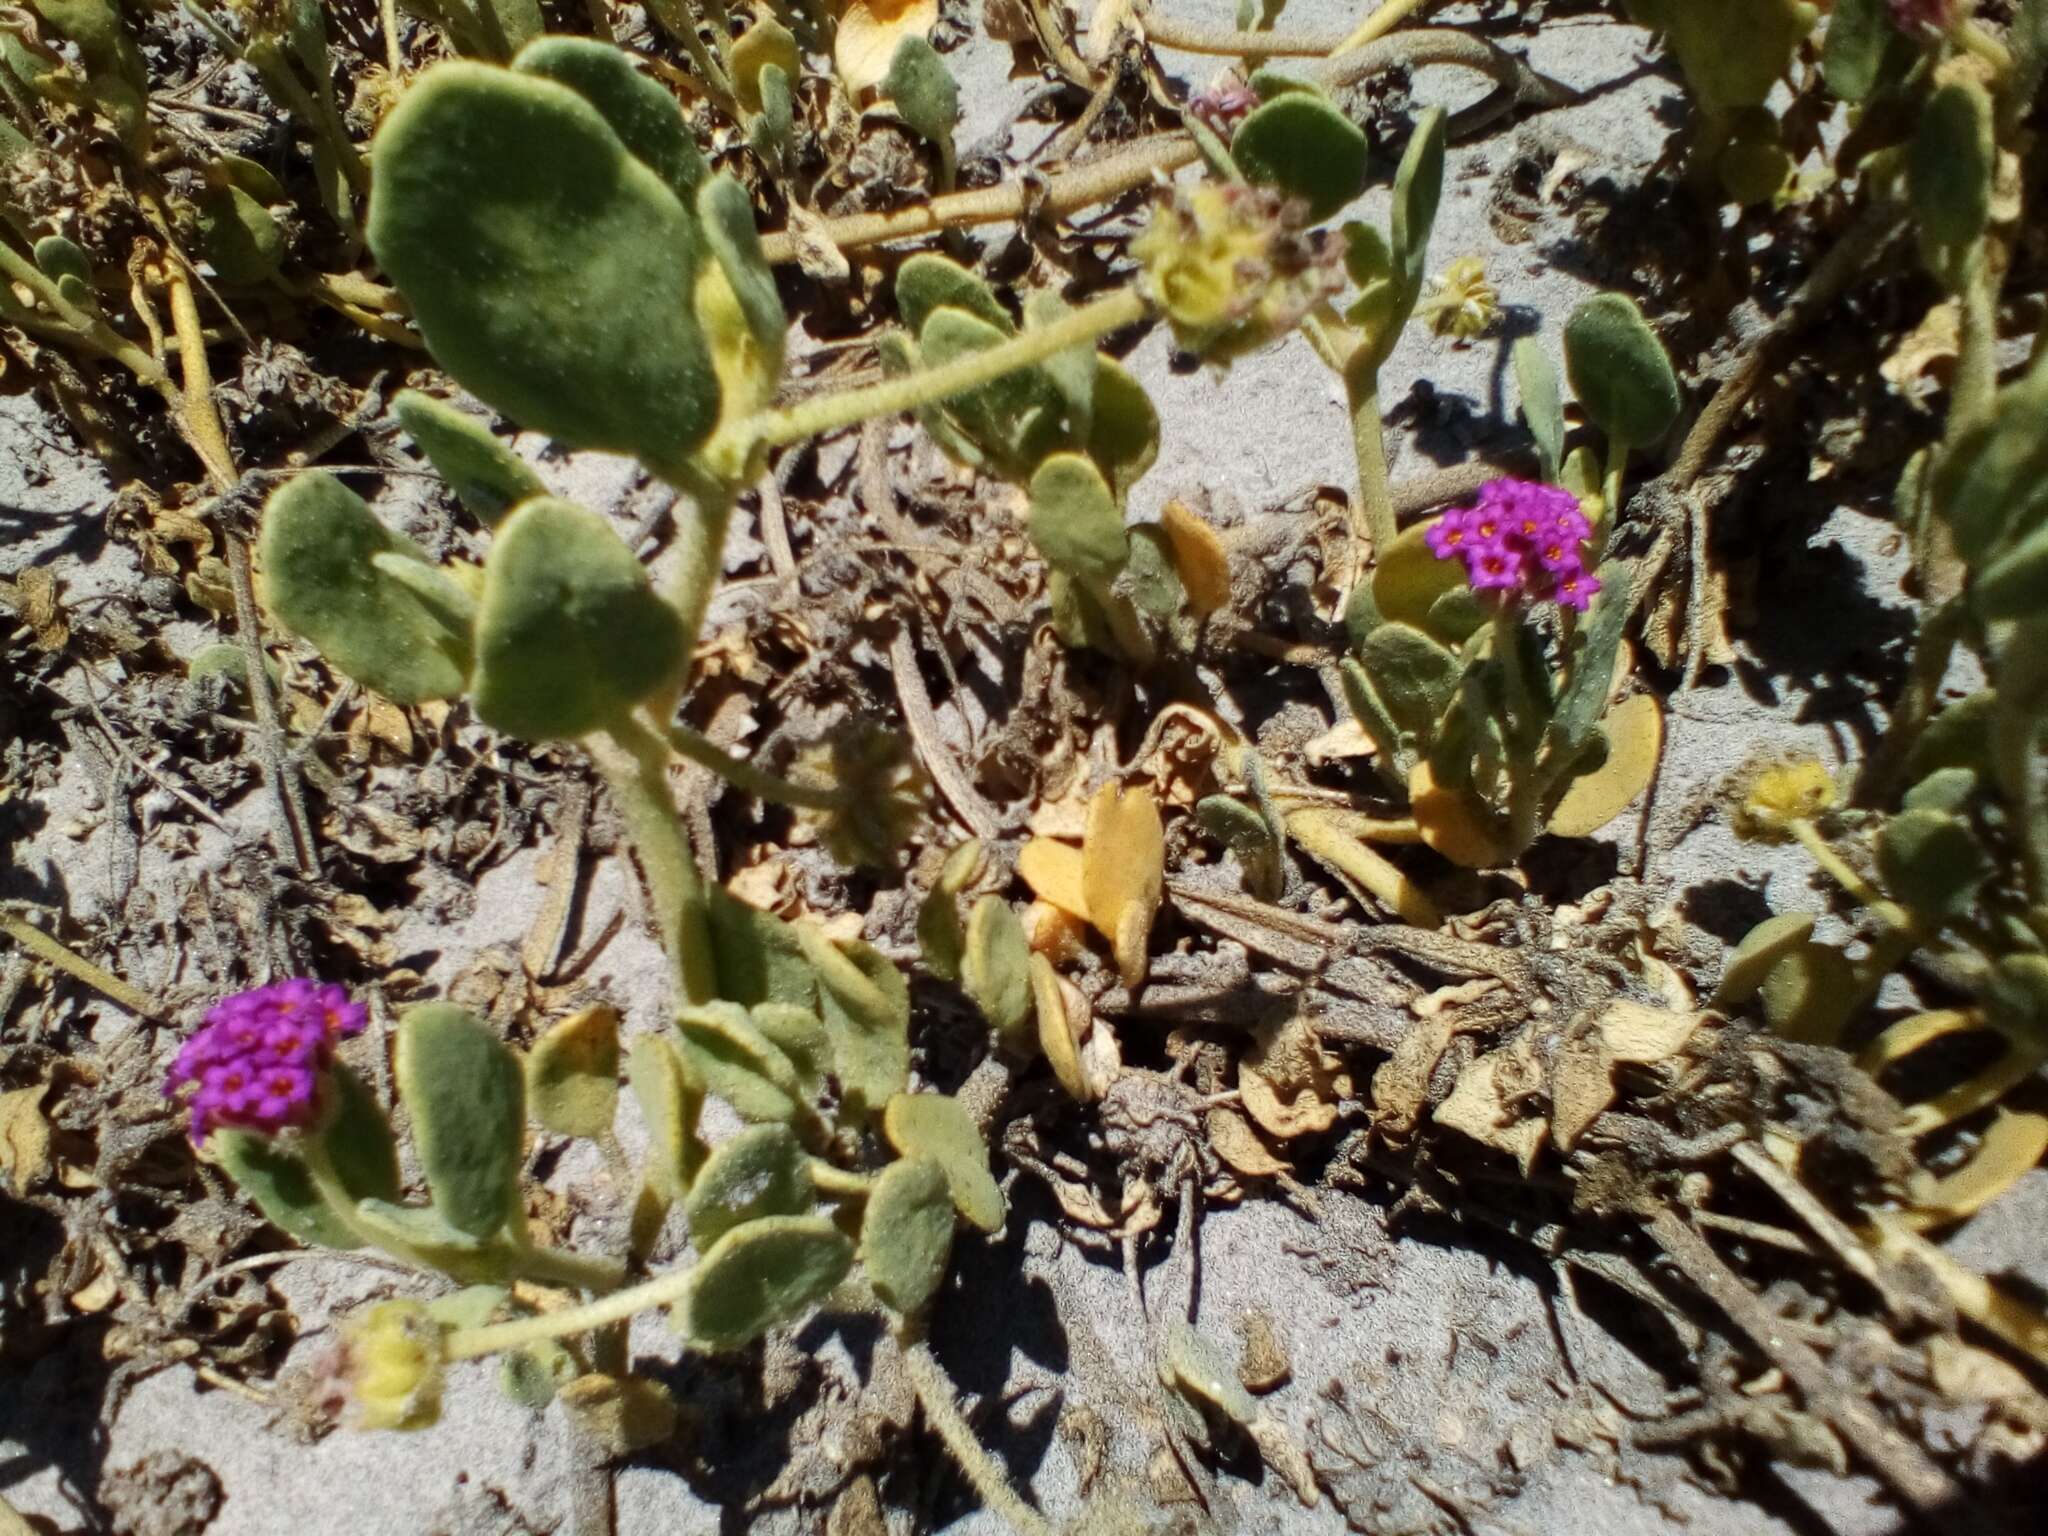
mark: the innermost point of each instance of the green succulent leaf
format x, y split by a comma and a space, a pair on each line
1860, 34
1946, 789
569, 633
937, 1126
1123, 428
759, 957
467, 1097
922, 90
865, 1003
906, 1234
748, 355
762, 1171
1810, 993
1620, 370
549, 268
801, 1036
1413, 675
1950, 165
928, 282
1374, 718
1012, 423
1075, 521
485, 474
282, 1187
1932, 861
1993, 482
941, 938
1583, 698
1418, 189
533, 1375
426, 1236
761, 1274
317, 551
995, 972
1733, 52
1299, 144
671, 1099
639, 109
1244, 830
1542, 404
572, 1074
735, 1061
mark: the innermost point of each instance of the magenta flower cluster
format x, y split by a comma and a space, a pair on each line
258, 1059
1923, 17
1523, 538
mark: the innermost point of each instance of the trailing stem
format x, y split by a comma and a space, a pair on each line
942, 1411
634, 761
929, 386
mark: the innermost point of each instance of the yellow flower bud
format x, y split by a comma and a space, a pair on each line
1794, 790
1231, 268
1461, 303
394, 1359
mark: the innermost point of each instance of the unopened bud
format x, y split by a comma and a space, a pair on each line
1232, 268
393, 1360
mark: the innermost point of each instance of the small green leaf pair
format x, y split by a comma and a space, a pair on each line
1388, 269
560, 634
1622, 378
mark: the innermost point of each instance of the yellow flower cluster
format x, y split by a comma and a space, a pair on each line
1781, 794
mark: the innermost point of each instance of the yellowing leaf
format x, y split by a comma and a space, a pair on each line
1234, 1140
1635, 740
1452, 822
572, 1073
1198, 556
1054, 872
869, 31
766, 42
1056, 1030
1123, 873
2011, 1148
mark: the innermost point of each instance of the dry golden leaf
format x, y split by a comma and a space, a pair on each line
381, 721
1929, 351
1451, 823
1056, 1031
1635, 742
35, 594
1123, 873
1054, 932
97, 1294
24, 1138
1490, 1103
1198, 556
2011, 1149
1291, 1085
1054, 871
1400, 1088
1234, 1140
1346, 738
1635, 1033
869, 31
1581, 1088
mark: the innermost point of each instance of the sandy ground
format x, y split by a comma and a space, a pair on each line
1417, 1361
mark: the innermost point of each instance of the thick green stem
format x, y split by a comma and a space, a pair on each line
1369, 442
561, 1267
1976, 379
635, 765
942, 1411
744, 776
91, 330
929, 386
700, 562
618, 1307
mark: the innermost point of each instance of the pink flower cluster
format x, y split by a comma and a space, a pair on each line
1524, 538
1923, 17
257, 1061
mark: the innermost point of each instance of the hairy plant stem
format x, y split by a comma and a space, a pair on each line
700, 562
1976, 377
616, 1307
929, 386
522, 1259
55, 952
1322, 834
744, 776
1062, 192
1369, 443
634, 761
196, 410
936, 1395
1838, 869
1389, 15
